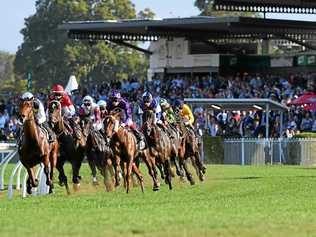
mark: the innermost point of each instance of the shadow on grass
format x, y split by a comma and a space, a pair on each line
239, 178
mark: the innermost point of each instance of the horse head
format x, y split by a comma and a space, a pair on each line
26, 110
111, 125
54, 112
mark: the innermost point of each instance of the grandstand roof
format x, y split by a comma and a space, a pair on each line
238, 104
202, 28
281, 6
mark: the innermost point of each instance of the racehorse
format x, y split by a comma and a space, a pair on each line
72, 147
124, 146
160, 148
191, 151
100, 155
35, 148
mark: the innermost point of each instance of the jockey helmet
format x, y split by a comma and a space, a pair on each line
163, 102
102, 104
27, 96
115, 95
179, 103
87, 100
58, 89
147, 97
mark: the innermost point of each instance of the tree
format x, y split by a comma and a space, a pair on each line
52, 57
146, 14
206, 8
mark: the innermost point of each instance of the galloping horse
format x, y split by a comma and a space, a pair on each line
35, 148
191, 151
72, 147
160, 147
124, 146
99, 155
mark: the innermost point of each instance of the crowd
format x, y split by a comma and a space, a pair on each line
213, 123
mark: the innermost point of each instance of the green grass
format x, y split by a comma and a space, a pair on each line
233, 201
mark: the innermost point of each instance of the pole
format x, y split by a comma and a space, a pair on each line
242, 151
267, 120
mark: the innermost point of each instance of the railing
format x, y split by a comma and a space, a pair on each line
8, 152
269, 151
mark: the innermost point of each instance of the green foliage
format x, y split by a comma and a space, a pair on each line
52, 57
146, 14
245, 201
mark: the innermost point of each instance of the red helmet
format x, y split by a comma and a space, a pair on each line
58, 89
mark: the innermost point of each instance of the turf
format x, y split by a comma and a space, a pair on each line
233, 201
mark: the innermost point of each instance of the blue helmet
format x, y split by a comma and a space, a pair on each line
115, 95
147, 97
179, 103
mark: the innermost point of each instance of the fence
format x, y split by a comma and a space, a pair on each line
270, 151
8, 154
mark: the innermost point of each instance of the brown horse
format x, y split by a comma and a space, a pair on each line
192, 152
100, 155
124, 146
160, 147
72, 146
35, 148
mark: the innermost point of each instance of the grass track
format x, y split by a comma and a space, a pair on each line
234, 201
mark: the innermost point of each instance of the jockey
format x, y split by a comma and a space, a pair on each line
59, 94
39, 114
168, 115
91, 111
116, 101
67, 108
148, 103
185, 112
102, 106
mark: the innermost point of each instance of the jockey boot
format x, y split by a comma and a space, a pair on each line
50, 133
140, 140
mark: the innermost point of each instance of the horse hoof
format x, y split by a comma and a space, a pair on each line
204, 170
61, 184
201, 177
76, 187
155, 189
29, 191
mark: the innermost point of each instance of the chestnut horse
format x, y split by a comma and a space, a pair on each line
35, 148
72, 147
160, 147
124, 146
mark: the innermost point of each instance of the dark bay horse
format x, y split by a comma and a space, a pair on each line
192, 152
124, 146
160, 147
100, 156
72, 147
35, 148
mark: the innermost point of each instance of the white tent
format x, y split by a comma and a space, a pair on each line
71, 85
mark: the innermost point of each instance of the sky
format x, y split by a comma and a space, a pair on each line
13, 13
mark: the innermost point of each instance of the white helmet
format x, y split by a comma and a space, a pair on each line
88, 99
27, 96
102, 103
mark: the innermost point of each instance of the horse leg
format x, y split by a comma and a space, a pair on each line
108, 175
128, 174
28, 186
62, 177
117, 171
200, 169
53, 161
167, 168
151, 171
139, 176
76, 165
163, 176
187, 172
92, 164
